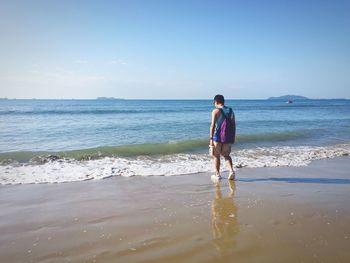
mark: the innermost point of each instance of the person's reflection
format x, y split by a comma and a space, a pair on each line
224, 220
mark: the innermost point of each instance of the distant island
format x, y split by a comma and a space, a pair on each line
289, 98
108, 98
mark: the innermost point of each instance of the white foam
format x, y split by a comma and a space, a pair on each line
72, 170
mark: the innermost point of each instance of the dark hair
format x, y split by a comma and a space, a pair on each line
219, 99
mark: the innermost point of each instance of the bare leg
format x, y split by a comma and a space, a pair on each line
229, 165
217, 165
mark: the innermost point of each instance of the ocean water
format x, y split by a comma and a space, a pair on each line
69, 140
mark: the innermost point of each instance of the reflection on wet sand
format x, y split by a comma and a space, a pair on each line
224, 220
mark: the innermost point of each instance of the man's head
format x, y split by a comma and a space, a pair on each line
219, 100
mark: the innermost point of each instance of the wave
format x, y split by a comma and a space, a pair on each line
273, 136
67, 170
106, 151
133, 150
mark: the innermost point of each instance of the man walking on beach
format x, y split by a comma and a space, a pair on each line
222, 135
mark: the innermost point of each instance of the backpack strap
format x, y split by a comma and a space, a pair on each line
230, 113
223, 113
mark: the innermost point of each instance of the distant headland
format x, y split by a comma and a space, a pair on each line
108, 98
289, 98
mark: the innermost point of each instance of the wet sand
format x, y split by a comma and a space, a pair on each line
268, 215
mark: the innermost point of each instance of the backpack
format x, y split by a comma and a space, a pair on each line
227, 130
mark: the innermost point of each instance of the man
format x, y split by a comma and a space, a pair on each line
222, 135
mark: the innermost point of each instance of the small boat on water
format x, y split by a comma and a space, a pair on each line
289, 102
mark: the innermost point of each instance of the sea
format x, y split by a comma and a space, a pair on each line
53, 141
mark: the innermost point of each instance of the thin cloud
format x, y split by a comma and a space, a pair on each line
80, 61
117, 62
64, 71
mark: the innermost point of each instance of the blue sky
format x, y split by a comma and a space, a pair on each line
174, 49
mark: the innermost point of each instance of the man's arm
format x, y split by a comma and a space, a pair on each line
214, 114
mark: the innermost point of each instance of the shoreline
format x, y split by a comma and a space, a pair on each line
282, 214
53, 169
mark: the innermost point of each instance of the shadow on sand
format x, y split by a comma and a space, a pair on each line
298, 180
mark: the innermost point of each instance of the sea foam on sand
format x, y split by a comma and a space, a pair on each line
67, 170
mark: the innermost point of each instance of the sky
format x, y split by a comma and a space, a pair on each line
175, 49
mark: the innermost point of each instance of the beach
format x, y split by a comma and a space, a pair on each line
114, 114
285, 214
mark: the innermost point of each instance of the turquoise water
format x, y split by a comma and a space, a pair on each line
72, 140
132, 127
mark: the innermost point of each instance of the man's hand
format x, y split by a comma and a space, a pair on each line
214, 116
211, 143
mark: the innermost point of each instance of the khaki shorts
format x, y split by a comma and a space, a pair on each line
222, 148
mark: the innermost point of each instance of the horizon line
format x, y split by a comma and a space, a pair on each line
112, 98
